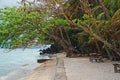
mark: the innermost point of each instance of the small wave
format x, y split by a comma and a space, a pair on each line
15, 75
20, 73
25, 65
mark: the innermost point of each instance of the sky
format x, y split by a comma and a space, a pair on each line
8, 3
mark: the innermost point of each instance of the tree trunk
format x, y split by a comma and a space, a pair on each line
91, 34
88, 31
109, 55
69, 49
104, 9
98, 48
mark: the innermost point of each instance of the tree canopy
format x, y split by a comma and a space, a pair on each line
79, 26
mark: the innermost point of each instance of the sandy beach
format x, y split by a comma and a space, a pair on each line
44, 72
83, 69
73, 69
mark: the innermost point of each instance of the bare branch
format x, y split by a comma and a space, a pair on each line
104, 9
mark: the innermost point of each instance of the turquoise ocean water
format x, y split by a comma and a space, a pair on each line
18, 63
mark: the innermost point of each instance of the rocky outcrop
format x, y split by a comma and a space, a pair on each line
54, 48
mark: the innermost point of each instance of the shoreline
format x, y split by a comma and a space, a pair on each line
42, 72
62, 68
21, 72
47, 69
81, 68
13, 62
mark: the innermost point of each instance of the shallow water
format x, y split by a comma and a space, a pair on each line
18, 62
10, 61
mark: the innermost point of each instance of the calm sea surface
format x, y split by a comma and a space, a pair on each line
18, 62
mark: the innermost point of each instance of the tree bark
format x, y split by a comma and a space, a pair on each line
104, 9
98, 48
88, 31
69, 49
91, 33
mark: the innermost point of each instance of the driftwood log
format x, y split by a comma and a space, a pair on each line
42, 60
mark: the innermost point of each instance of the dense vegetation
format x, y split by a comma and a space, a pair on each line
78, 26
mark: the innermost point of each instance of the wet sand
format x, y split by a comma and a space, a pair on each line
44, 72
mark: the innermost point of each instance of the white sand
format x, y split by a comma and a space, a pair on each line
44, 72
82, 69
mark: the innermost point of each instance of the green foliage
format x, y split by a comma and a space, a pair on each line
82, 37
24, 26
28, 25
84, 21
112, 5
57, 22
19, 28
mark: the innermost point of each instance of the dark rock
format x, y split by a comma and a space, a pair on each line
42, 60
54, 48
